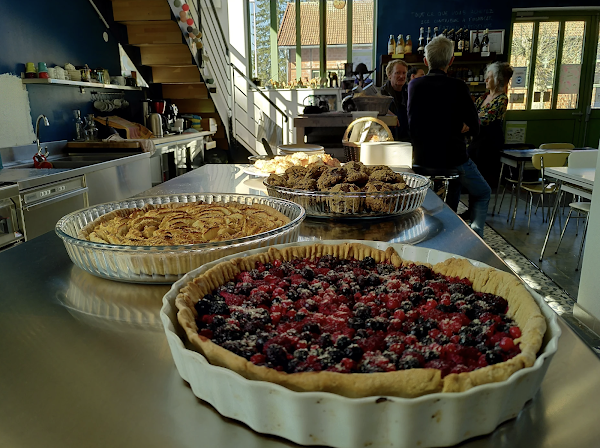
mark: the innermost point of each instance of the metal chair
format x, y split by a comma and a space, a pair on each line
581, 207
557, 146
445, 175
541, 162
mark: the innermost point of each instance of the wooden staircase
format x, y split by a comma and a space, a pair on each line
151, 28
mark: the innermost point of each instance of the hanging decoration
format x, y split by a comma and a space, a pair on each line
193, 33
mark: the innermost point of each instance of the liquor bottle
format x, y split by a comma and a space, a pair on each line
400, 44
421, 47
408, 46
467, 39
435, 32
485, 42
445, 32
476, 43
428, 36
451, 35
458, 42
391, 45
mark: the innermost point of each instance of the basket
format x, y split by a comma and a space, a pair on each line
352, 149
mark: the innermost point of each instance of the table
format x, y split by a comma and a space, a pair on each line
578, 181
331, 120
85, 361
521, 160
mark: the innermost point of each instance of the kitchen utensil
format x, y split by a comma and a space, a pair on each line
42, 67
158, 106
267, 148
39, 161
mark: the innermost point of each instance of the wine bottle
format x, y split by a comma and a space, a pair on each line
391, 45
485, 42
408, 46
400, 45
421, 47
458, 42
435, 32
445, 32
428, 36
451, 35
467, 39
476, 43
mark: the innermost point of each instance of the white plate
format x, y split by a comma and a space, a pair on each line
300, 147
320, 418
253, 171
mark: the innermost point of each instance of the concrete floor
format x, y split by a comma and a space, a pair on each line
558, 267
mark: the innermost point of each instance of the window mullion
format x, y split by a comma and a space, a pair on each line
323, 38
273, 41
298, 42
555, 83
349, 22
532, 65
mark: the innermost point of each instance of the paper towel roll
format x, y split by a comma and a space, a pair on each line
386, 153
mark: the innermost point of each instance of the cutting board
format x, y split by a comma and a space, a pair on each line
103, 145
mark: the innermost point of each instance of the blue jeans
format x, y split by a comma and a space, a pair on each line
479, 194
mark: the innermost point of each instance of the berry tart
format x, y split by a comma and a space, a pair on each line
357, 321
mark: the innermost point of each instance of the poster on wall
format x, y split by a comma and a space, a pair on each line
515, 132
518, 78
496, 39
568, 82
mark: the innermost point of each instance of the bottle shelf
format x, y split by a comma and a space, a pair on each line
63, 82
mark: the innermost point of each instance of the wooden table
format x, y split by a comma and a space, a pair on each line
577, 181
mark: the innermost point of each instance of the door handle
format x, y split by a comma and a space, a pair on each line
577, 113
62, 197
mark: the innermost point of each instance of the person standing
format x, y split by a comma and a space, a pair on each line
414, 73
395, 87
485, 148
440, 112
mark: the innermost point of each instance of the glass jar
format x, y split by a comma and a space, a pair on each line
79, 126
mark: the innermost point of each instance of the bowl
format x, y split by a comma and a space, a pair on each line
325, 204
166, 264
321, 418
301, 147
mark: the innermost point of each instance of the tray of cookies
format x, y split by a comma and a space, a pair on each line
353, 190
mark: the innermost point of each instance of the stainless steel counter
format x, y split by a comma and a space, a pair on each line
85, 363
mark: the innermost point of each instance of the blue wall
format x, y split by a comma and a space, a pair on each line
57, 32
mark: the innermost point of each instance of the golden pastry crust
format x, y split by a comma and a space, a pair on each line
406, 383
182, 223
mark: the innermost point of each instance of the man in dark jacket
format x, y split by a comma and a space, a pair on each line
440, 112
395, 87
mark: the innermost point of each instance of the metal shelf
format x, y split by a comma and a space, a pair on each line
63, 82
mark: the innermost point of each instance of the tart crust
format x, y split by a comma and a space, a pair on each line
404, 383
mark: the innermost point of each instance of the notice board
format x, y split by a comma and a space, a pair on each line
395, 18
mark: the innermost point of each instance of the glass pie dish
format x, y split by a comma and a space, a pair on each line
325, 204
322, 418
166, 264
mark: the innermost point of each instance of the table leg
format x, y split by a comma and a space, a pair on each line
521, 167
554, 210
497, 189
300, 132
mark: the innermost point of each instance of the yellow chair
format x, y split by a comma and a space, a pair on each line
541, 162
557, 146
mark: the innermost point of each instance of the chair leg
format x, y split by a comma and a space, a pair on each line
446, 185
501, 199
585, 226
563, 230
530, 207
512, 193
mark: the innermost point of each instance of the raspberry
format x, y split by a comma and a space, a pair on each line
506, 344
514, 332
258, 358
400, 315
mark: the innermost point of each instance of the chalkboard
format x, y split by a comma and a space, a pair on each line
394, 17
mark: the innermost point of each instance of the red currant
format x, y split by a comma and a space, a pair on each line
514, 332
506, 344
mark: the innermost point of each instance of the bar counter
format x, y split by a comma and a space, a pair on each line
85, 363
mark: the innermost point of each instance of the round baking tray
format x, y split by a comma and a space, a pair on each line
166, 264
325, 204
321, 418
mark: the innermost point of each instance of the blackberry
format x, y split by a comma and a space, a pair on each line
447, 308
373, 280
406, 306
356, 323
227, 332
328, 261
415, 298
335, 354
219, 308
385, 269
455, 297
202, 307
354, 352
361, 334
362, 311
417, 286
276, 355
367, 263
209, 297
391, 356
346, 290
460, 288
421, 271
377, 323
381, 289
251, 326
306, 336
308, 273
256, 275
292, 294
428, 291
301, 354
268, 266
419, 331
342, 342
493, 357
408, 363
299, 317
362, 281
311, 328
244, 289
325, 340
218, 321
365, 367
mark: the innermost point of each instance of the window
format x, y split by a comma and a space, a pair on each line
595, 100
520, 56
290, 31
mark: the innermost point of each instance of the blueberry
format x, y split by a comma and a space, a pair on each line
356, 323
417, 286
203, 307
415, 298
301, 354
308, 273
311, 328
373, 280
325, 340
299, 317
276, 355
219, 308
218, 321
306, 336
292, 294
385, 269
493, 357
368, 263
408, 363
377, 323
362, 311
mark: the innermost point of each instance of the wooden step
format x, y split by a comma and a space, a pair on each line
185, 91
194, 106
173, 54
138, 10
153, 32
166, 74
